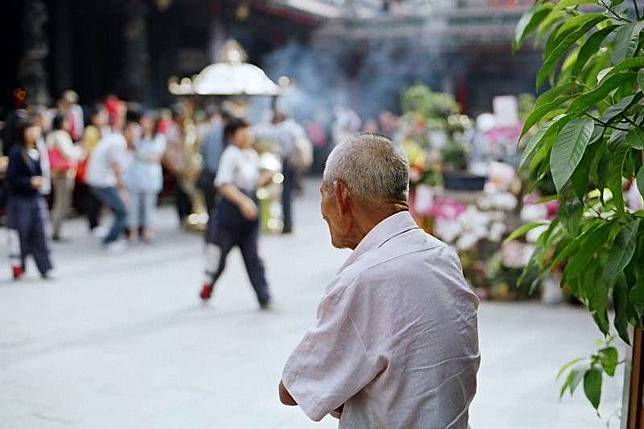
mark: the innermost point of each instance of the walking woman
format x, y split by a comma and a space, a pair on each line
236, 221
63, 157
145, 179
27, 217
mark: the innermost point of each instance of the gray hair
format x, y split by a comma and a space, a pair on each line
372, 167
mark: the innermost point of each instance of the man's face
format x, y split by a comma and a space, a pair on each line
339, 223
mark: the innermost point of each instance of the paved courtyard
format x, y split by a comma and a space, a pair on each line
123, 342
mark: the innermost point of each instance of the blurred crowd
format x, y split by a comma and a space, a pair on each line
120, 157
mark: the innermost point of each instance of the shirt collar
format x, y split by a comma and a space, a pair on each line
387, 229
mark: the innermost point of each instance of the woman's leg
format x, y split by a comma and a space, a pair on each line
111, 198
15, 254
219, 245
134, 214
149, 212
255, 265
19, 222
60, 200
38, 237
93, 209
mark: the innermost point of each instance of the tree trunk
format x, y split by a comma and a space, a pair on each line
635, 415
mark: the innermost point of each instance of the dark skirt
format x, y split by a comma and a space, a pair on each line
29, 217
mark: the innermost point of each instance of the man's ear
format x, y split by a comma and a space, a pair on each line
342, 196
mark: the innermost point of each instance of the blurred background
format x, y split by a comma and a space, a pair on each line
119, 338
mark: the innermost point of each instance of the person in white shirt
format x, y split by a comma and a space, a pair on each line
144, 179
395, 342
63, 171
105, 177
236, 216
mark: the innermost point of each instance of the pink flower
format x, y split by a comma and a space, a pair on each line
446, 208
553, 209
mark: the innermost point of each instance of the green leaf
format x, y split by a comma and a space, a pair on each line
569, 149
568, 365
530, 146
618, 152
625, 41
640, 79
590, 98
636, 297
620, 302
596, 292
573, 29
523, 230
572, 381
593, 386
590, 48
564, 253
570, 214
563, 4
617, 109
635, 138
591, 242
539, 112
581, 177
529, 22
630, 63
622, 250
608, 358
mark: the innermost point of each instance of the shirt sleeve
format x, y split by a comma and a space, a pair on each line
67, 148
161, 144
226, 171
117, 151
331, 364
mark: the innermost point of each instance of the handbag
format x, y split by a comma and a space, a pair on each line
81, 170
57, 162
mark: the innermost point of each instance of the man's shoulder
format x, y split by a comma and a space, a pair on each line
416, 255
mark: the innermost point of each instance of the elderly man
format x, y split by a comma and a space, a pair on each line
395, 342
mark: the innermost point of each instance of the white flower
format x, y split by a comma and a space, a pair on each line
447, 229
532, 212
467, 241
496, 231
513, 254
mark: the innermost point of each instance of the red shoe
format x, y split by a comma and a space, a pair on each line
206, 291
18, 272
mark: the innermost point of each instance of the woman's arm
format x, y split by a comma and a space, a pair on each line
16, 177
247, 206
67, 148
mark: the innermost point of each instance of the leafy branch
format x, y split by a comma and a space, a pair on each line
604, 124
594, 64
610, 9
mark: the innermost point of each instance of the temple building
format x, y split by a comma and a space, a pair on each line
133, 47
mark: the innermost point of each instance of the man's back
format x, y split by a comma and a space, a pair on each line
396, 337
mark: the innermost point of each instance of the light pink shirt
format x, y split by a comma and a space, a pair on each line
395, 338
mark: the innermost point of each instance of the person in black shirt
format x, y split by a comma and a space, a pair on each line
27, 216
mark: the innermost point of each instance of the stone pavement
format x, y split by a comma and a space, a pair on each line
123, 342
